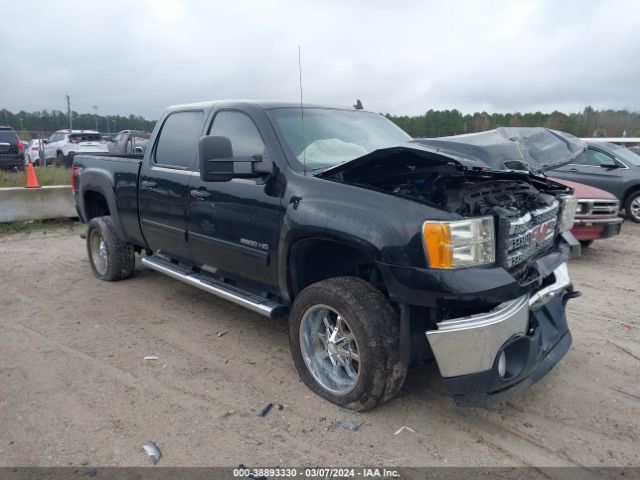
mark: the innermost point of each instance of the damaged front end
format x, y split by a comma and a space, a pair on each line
529, 211
506, 348
497, 326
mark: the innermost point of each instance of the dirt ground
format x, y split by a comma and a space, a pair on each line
75, 390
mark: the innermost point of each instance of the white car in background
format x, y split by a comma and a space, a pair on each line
64, 144
32, 152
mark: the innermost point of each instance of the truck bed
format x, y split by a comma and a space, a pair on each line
118, 186
113, 156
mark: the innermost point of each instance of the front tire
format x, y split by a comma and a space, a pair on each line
586, 243
632, 206
344, 339
110, 257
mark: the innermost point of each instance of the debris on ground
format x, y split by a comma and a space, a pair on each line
92, 472
153, 451
151, 357
220, 334
279, 406
322, 419
348, 425
403, 428
527, 425
228, 413
266, 409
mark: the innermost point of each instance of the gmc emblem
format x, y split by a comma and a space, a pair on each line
541, 232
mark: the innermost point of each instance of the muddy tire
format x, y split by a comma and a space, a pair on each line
110, 257
344, 338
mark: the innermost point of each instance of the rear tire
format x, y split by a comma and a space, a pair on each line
632, 206
59, 159
586, 243
111, 258
369, 370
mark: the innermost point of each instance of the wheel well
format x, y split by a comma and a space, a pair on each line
95, 205
628, 193
313, 260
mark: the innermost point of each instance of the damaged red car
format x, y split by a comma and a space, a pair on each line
596, 215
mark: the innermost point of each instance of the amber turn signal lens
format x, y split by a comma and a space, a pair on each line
462, 243
437, 241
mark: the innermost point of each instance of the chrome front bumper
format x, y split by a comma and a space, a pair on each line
468, 345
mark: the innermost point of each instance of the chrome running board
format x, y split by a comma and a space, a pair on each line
204, 282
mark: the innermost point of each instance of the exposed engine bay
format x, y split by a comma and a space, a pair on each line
462, 190
472, 196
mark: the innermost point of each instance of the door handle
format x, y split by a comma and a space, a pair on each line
574, 170
200, 194
148, 185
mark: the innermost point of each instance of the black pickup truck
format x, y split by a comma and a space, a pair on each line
380, 249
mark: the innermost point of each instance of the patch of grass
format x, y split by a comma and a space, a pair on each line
50, 175
32, 225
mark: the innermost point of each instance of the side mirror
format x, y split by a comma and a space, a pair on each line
45, 141
218, 164
138, 151
610, 165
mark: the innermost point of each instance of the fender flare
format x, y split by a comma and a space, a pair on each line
102, 182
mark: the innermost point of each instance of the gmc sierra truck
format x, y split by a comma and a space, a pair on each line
380, 249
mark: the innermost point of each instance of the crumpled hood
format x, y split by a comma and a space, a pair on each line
535, 149
532, 149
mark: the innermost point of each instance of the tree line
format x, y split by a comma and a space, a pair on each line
44, 122
588, 123
434, 123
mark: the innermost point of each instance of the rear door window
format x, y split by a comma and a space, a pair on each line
178, 141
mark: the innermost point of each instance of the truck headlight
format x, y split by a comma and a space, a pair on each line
568, 207
463, 243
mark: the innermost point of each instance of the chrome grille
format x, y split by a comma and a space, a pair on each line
588, 207
530, 234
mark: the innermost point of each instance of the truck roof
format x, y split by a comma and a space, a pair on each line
262, 104
66, 130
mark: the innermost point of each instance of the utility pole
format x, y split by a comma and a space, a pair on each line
69, 111
95, 113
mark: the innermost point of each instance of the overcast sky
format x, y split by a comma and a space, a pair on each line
400, 57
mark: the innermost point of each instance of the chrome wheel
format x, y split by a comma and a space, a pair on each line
99, 253
635, 208
329, 349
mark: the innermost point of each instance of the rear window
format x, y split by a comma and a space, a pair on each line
84, 137
178, 140
626, 154
8, 136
